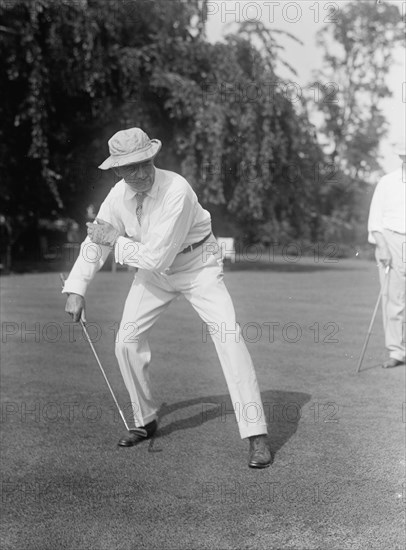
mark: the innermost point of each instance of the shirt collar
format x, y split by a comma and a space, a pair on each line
152, 193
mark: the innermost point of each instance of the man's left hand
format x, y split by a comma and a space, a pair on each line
102, 232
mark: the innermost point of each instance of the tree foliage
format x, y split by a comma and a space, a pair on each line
358, 55
75, 71
367, 35
66, 68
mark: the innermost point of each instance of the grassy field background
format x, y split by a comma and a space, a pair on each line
337, 478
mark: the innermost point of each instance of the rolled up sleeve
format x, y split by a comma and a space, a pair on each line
92, 256
90, 260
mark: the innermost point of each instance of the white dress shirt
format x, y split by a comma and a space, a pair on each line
388, 205
172, 219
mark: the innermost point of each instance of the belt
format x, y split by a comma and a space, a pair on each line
194, 245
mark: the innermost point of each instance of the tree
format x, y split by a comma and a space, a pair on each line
239, 138
66, 69
88, 68
358, 53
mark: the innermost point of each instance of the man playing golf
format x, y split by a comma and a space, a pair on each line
387, 229
153, 221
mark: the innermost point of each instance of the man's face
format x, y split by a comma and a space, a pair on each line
139, 176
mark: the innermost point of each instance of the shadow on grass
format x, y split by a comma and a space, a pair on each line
379, 366
370, 367
282, 410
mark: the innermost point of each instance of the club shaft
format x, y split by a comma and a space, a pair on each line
83, 325
364, 347
371, 324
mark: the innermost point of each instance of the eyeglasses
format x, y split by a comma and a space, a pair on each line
131, 169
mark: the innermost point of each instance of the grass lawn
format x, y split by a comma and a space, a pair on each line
337, 478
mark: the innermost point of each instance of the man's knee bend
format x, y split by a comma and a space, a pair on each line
120, 348
125, 345
129, 333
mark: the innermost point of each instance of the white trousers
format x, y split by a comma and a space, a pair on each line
198, 275
393, 298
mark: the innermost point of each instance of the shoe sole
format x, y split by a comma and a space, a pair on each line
258, 466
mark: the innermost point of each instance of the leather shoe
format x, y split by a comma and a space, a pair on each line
259, 454
137, 435
391, 363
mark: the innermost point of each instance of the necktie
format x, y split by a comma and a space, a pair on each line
140, 199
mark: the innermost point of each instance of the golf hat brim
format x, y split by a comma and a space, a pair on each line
114, 161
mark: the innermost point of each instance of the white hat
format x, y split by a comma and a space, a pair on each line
130, 146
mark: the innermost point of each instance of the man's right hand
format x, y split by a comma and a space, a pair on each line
383, 255
75, 305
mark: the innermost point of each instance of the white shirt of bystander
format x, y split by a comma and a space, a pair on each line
388, 206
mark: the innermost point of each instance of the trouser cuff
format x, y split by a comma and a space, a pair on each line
141, 422
255, 429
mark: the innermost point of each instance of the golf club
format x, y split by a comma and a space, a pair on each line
83, 325
383, 287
